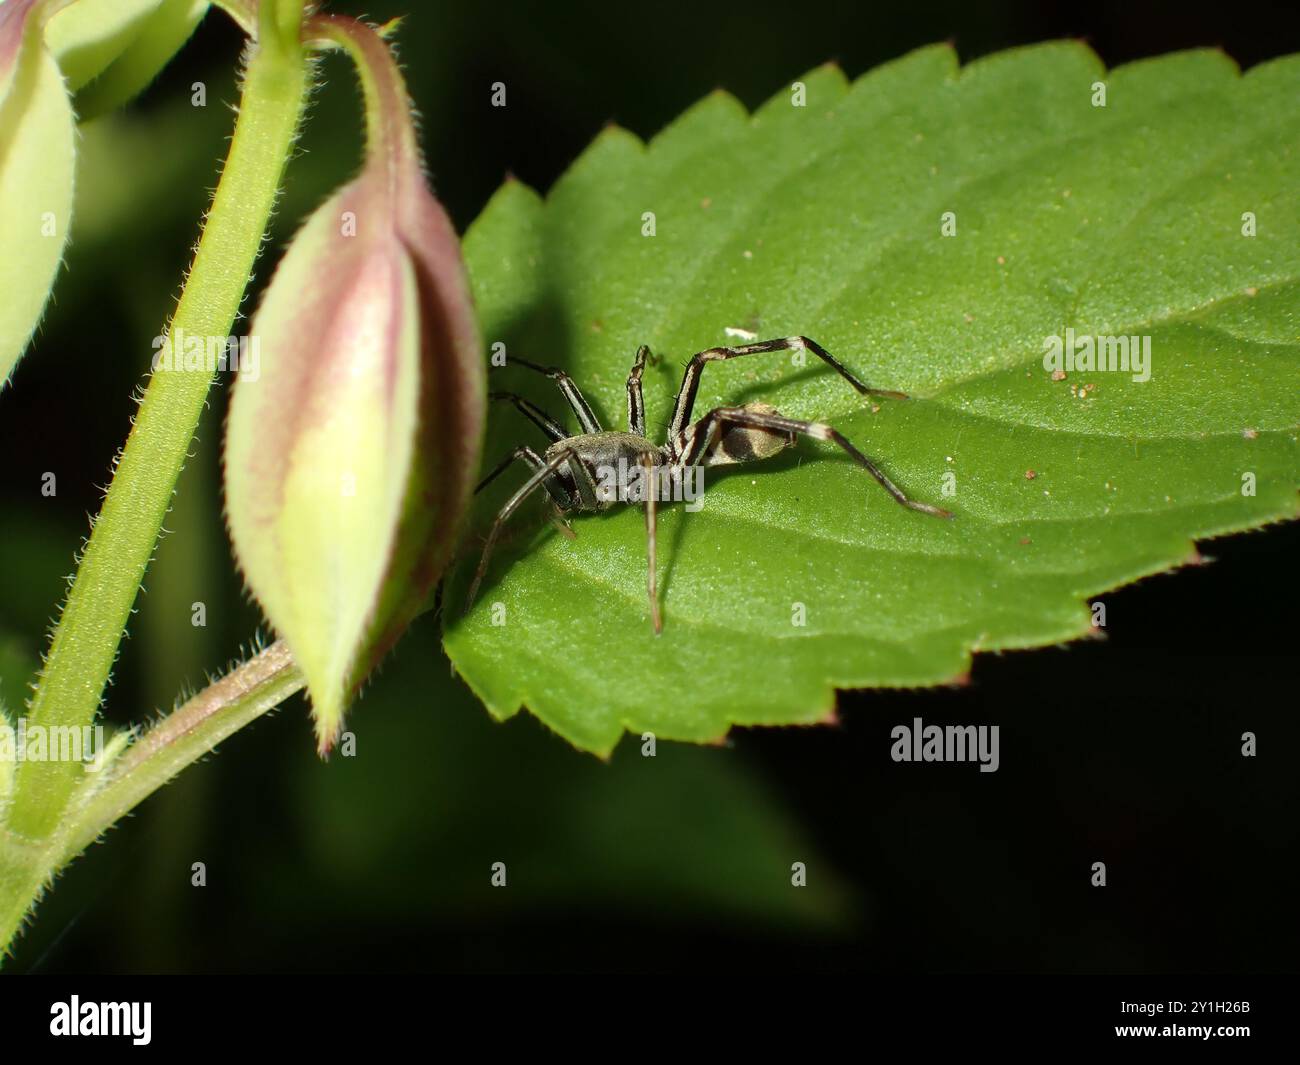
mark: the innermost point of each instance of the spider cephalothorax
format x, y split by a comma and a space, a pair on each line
575, 470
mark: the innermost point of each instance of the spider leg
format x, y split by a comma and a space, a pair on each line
651, 503
708, 427
635, 398
561, 523
554, 486
543, 474
534, 414
691, 379
581, 408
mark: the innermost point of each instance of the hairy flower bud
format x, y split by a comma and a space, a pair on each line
36, 170
110, 50
48, 47
349, 459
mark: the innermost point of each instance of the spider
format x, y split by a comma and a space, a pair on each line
572, 467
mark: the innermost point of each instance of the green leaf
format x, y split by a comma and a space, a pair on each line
825, 220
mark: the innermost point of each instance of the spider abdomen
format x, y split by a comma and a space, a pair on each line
742, 443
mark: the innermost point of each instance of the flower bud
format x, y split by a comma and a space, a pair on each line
110, 50
349, 459
87, 36
36, 170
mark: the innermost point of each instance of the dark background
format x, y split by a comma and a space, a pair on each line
1125, 750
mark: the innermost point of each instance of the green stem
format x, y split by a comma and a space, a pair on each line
22, 878
390, 134
180, 739
126, 531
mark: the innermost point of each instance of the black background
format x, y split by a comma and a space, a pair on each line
1124, 750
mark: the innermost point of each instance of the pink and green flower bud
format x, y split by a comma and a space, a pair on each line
349, 460
37, 134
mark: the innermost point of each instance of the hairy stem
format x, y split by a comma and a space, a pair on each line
178, 740
182, 738
126, 531
23, 872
